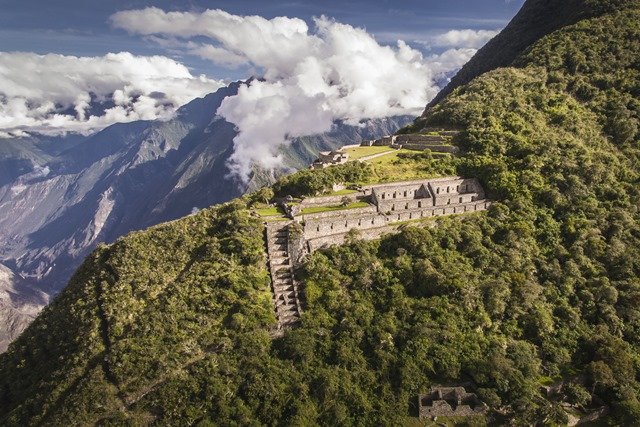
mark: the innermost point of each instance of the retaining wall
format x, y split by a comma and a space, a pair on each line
327, 200
337, 214
392, 205
327, 226
420, 139
453, 199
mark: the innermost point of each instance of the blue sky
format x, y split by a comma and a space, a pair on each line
82, 28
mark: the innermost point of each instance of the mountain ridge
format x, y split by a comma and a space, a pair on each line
57, 203
170, 325
535, 20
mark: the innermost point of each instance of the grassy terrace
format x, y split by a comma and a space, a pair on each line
270, 211
340, 193
319, 209
359, 152
403, 165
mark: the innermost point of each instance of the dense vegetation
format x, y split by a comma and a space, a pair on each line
171, 325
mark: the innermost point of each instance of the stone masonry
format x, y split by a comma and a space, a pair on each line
389, 206
438, 142
284, 288
450, 401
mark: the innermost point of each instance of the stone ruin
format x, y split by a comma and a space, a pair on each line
389, 204
330, 158
448, 402
388, 207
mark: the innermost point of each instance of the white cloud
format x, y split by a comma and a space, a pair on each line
53, 93
311, 77
463, 38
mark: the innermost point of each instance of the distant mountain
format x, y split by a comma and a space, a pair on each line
60, 197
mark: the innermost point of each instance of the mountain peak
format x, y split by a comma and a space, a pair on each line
536, 19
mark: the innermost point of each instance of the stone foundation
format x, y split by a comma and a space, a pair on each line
450, 402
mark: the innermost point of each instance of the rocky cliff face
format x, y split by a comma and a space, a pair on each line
60, 197
20, 302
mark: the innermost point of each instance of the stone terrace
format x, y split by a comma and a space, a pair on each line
438, 142
389, 206
391, 203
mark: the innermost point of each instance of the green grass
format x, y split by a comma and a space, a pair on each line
359, 152
270, 211
319, 209
342, 192
410, 166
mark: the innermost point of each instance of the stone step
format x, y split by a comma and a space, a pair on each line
284, 302
282, 273
282, 314
283, 289
278, 245
283, 286
289, 317
289, 320
286, 296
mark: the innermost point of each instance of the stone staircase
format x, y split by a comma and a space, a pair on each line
283, 285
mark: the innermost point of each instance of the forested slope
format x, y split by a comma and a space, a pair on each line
170, 325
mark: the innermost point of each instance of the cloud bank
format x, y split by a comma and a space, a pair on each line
474, 39
52, 94
310, 76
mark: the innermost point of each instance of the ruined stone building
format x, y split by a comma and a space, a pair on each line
450, 401
330, 158
387, 207
390, 204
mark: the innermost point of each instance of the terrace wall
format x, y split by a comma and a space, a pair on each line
327, 226
355, 212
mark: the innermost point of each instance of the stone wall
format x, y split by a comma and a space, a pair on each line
391, 206
328, 200
356, 212
410, 190
364, 234
448, 402
330, 225
420, 139
455, 185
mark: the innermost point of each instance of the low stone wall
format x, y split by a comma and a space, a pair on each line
328, 200
408, 183
387, 140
